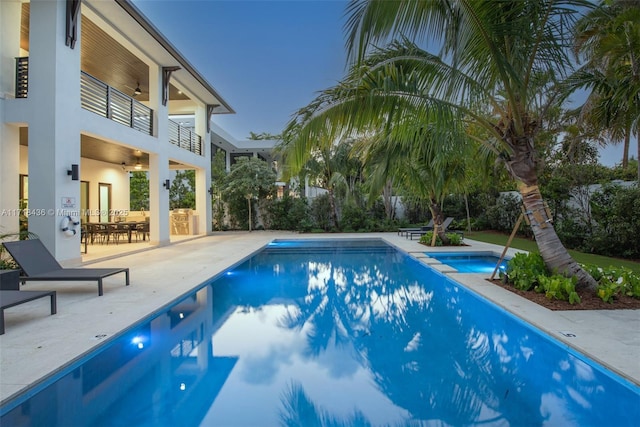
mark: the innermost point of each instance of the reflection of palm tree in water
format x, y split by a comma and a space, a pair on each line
391, 326
299, 411
454, 380
327, 309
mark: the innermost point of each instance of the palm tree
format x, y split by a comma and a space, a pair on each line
608, 38
495, 76
430, 174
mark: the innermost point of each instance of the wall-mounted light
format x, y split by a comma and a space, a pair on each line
74, 172
138, 91
166, 184
138, 165
210, 190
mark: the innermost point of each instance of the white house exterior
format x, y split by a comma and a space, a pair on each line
93, 83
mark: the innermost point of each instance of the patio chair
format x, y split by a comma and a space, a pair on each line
142, 229
406, 231
118, 230
38, 264
13, 298
445, 225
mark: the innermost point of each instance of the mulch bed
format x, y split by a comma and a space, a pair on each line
589, 301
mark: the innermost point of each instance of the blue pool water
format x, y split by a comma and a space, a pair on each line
470, 262
343, 333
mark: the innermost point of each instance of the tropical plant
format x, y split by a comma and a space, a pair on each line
453, 239
607, 38
616, 221
181, 193
493, 82
524, 269
249, 179
139, 191
218, 175
6, 261
287, 213
558, 287
614, 282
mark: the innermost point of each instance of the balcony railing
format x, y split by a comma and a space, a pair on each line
102, 99
22, 77
184, 138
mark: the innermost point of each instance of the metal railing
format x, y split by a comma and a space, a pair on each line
184, 138
102, 99
22, 77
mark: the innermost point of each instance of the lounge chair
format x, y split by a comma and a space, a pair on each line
38, 264
13, 298
406, 231
445, 225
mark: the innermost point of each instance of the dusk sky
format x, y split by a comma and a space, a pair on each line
266, 58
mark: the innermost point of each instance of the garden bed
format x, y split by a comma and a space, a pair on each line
588, 300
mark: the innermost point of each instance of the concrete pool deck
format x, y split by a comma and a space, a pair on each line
37, 344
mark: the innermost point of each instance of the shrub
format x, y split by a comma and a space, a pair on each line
455, 239
572, 230
353, 218
523, 270
616, 211
502, 215
287, 213
320, 212
559, 287
613, 282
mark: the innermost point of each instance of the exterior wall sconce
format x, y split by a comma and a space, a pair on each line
166, 184
74, 172
210, 191
138, 165
138, 91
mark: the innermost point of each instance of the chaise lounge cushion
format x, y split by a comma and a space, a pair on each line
38, 264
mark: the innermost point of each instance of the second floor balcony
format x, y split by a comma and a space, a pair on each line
100, 98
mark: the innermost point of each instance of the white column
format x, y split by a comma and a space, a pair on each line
10, 12
203, 200
54, 135
203, 176
159, 164
9, 177
159, 198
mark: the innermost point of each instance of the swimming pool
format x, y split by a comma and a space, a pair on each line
353, 332
470, 262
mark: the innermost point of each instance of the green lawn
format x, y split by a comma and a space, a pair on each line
530, 245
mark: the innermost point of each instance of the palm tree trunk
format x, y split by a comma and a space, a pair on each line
553, 252
332, 206
638, 157
438, 219
627, 143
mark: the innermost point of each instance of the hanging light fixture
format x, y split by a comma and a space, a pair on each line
138, 91
138, 165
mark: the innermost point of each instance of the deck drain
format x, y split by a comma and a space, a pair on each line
568, 334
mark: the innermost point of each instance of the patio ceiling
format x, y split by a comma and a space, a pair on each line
107, 60
104, 151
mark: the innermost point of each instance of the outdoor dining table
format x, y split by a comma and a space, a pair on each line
129, 226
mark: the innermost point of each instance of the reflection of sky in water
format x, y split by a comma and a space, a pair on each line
272, 357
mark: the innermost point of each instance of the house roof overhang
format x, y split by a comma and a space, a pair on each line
123, 16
